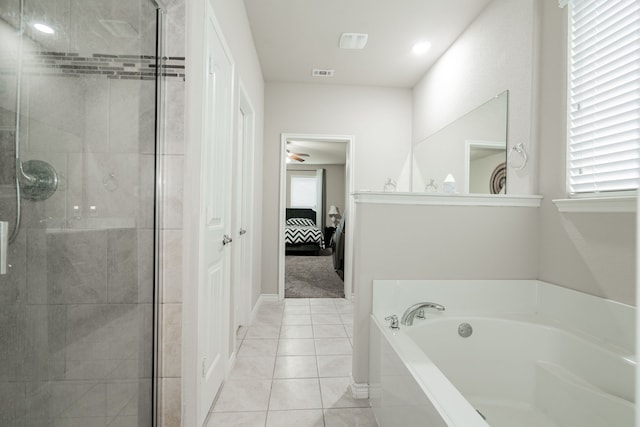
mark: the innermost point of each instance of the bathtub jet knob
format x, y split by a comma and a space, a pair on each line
393, 322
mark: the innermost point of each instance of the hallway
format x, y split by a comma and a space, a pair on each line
293, 368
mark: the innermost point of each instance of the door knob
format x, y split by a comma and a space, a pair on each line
226, 240
243, 231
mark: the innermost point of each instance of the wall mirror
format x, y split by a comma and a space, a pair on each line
472, 149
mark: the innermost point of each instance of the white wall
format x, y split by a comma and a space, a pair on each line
379, 118
593, 253
494, 54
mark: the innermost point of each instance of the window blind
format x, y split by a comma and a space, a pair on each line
303, 191
604, 96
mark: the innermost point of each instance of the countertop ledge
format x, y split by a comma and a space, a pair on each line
440, 199
619, 204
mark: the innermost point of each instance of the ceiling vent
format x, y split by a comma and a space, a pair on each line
321, 72
353, 40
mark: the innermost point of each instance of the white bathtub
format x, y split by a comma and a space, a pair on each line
539, 356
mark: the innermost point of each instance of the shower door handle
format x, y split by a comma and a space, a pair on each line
4, 246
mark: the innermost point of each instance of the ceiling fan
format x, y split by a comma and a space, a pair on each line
298, 157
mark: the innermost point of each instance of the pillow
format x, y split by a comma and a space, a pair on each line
301, 221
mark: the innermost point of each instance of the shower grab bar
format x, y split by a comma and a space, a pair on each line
4, 246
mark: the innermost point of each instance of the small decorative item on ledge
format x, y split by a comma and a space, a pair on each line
449, 185
431, 187
389, 186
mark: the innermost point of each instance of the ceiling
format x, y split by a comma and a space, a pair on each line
293, 37
319, 152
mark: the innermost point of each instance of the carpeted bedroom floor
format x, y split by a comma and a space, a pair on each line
310, 276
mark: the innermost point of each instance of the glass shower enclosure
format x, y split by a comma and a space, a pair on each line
78, 95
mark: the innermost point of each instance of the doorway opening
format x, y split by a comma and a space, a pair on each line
316, 179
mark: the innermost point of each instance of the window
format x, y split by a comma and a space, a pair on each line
303, 191
604, 96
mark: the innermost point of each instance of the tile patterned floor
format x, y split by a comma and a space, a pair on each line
293, 368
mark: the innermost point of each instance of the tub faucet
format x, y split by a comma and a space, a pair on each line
410, 313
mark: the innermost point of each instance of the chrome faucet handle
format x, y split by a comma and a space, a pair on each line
393, 321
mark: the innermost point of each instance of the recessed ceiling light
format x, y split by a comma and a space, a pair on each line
420, 48
43, 28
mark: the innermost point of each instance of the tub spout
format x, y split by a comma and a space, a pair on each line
410, 313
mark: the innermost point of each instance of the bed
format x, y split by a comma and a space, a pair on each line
301, 234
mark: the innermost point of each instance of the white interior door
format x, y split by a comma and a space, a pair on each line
243, 259
215, 214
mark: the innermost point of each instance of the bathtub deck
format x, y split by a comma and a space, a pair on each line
503, 414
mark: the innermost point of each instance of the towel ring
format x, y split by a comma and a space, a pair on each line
518, 148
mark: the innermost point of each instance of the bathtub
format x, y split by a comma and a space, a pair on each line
538, 356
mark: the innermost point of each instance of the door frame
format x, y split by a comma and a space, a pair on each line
349, 183
471, 143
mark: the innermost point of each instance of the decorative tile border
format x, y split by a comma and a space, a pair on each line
132, 67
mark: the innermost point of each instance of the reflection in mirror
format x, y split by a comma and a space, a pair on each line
472, 149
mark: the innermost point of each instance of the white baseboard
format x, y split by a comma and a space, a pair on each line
359, 390
267, 298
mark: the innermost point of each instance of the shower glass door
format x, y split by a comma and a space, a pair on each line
77, 194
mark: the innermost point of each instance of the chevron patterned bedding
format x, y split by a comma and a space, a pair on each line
302, 230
